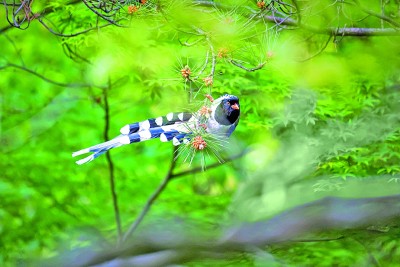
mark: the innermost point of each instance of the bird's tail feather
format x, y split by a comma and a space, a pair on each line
101, 148
133, 133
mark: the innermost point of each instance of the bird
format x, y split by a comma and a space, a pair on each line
219, 119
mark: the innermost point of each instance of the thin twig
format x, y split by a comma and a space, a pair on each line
345, 31
237, 64
287, 21
296, 6
17, 51
71, 34
111, 165
213, 58
102, 16
68, 51
319, 52
214, 165
152, 198
379, 16
190, 44
44, 12
204, 66
170, 175
213, 65
74, 85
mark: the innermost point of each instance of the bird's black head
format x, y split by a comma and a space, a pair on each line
230, 106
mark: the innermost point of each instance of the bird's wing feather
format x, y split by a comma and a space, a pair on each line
117, 141
169, 119
230, 130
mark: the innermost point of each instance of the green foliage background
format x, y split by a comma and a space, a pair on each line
326, 126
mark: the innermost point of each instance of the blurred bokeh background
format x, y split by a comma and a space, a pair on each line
319, 91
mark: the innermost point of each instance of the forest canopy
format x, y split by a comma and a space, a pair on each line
309, 177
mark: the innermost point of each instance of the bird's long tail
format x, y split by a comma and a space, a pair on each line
165, 127
172, 135
100, 149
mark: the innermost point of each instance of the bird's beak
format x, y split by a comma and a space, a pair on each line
235, 106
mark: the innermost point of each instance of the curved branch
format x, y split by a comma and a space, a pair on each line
361, 31
170, 175
44, 12
287, 21
152, 198
319, 52
101, 15
73, 85
296, 5
237, 64
380, 16
22, 7
353, 31
73, 54
213, 57
71, 34
212, 166
320, 215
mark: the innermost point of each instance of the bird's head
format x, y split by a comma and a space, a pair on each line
230, 106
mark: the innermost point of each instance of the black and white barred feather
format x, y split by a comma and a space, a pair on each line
173, 127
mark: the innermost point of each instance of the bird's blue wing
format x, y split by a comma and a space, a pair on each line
169, 119
230, 130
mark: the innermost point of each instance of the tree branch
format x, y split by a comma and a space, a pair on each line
320, 215
111, 164
380, 16
44, 12
170, 175
353, 31
71, 34
237, 64
287, 21
319, 52
102, 16
73, 85
212, 166
152, 198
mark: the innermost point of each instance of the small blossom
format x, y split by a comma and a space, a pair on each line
208, 81
186, 72
261, 4
222, 52
270, 54
143, 2
205, 111
199, 143
132, 9
229, 20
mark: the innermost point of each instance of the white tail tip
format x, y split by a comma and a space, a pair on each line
85, 160
80, 152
